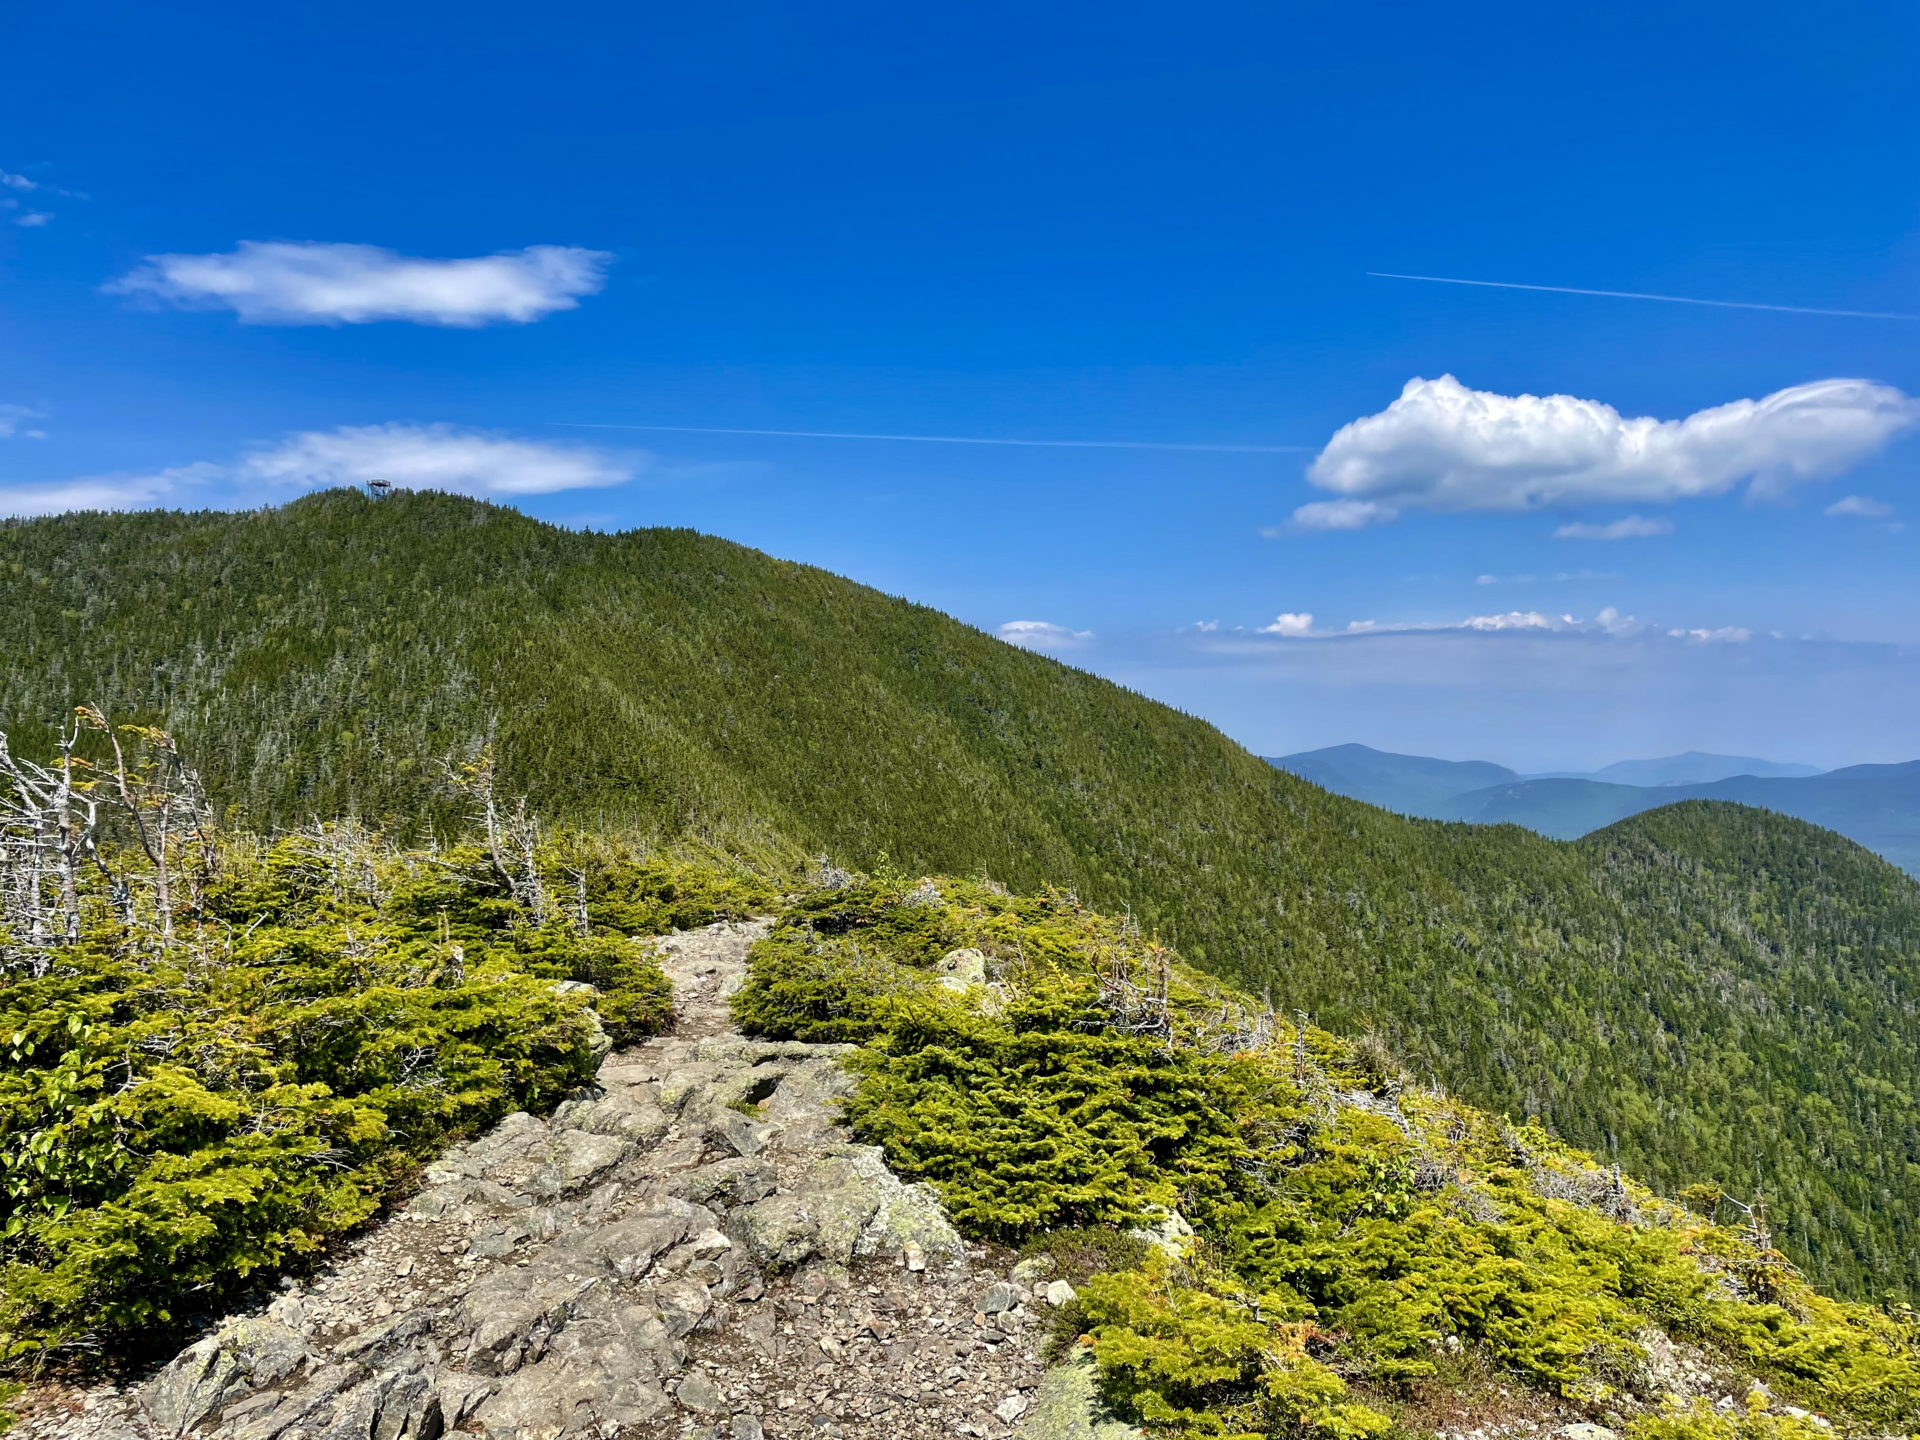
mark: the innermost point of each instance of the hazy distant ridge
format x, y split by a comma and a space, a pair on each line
1877, 806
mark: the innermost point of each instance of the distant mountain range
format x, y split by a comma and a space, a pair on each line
1876, 805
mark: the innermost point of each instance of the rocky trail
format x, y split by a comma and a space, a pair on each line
693, 1248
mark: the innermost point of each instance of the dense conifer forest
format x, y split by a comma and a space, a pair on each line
1703, 993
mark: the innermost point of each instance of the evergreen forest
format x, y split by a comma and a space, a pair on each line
1705, 994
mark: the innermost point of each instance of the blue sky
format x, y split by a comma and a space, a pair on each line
223, 279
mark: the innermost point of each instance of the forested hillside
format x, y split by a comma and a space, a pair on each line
1705, 993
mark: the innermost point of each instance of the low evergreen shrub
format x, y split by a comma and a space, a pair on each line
180, 1112
1351, 1229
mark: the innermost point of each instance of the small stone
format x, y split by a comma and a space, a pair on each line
1059, 1293
1000, 1297
1585, 1430
747, 1427
913, 1256
404, 1268
1010, 1409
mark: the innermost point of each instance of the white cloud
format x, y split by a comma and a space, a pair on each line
1860, 507
12, 417
1043, 635
1632, 527
106, 492
1724, 635
291, 283
16, 182
1441, 446
1517, 620
422, 457
1340, 515
1290, 625
1608, 622
431, 457
34, 219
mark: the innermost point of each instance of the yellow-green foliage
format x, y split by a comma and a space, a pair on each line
176, 1116
1707, 992
1702, 1422
1351, 1227
1206, 1359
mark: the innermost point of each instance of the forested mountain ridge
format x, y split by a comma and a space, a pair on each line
1703, 993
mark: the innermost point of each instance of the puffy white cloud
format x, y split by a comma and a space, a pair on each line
1631, 527
16, 182
1441, 446
431, 457
34, 219
1043, 635
1860, 507
297, 283
1290, 624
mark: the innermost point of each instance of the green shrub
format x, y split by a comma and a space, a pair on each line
178, 1117
1192, 1361
1351, 1230
1700, 1421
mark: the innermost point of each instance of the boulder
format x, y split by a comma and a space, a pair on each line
960, 969
579, 1157
217, 1370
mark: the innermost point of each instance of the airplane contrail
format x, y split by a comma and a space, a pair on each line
1639, 295
957, 439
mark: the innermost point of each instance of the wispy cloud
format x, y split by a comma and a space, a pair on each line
1300, 626
1561, 576
108, 492
13, 417
21, 185
432, 457
425, 457
956, 439
1339, 515
1723, 635
299, 283
1044, 635
1859, 507
1441, 446
1631, 527
1539, 697
1642, 295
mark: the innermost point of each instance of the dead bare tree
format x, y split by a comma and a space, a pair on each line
49, 827
164, 801
512, 839
1136, 1008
